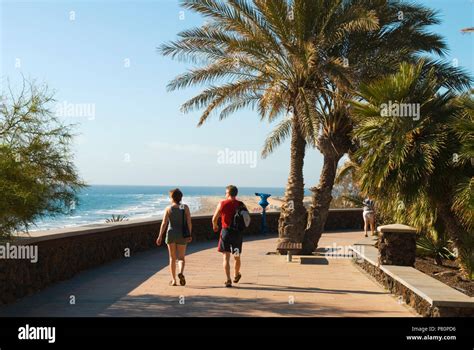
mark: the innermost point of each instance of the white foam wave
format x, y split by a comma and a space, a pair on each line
149, 207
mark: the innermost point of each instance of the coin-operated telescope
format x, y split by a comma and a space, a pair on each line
263, 203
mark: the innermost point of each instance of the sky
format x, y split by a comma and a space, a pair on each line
100, 59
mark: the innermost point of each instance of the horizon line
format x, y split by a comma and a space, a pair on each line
214, 186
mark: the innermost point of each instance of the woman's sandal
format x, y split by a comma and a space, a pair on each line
172, 283
228, 283
182, 280
237, 278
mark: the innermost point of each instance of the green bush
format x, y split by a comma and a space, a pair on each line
37, 176
116, 218
436, 248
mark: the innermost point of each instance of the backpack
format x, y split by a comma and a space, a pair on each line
241, 218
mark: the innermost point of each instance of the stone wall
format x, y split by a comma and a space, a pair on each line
64, 253
344, 219
420, 305
397, 248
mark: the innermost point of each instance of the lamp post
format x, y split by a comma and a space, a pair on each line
263, 203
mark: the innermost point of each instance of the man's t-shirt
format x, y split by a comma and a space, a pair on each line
228, 208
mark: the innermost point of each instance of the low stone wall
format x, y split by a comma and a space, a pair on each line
420, 305
344, 219
64, 253
409, 297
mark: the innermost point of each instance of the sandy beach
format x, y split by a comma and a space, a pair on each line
209, 204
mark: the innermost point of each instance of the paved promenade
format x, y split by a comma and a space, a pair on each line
270, 286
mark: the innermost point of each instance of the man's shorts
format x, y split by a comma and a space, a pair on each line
230, 241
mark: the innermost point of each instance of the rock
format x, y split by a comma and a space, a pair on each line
444, 273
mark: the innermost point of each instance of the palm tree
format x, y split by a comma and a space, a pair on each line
411, 160
463, 204
401, 36
464, 127
262, 54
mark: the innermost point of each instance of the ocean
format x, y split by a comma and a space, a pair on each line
97, 203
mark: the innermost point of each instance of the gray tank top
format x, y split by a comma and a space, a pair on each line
176, 220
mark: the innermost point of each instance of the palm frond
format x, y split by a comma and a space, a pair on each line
277, 136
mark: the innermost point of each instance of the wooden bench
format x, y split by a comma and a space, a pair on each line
289, 248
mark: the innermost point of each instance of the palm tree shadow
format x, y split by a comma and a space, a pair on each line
223, 306
278, 288
96, 289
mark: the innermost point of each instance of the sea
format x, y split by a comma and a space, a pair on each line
96, 203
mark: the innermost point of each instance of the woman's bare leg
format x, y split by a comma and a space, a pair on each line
366, 225
372, 224
172, 254
181, 252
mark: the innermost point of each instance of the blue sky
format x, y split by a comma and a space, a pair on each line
103, 54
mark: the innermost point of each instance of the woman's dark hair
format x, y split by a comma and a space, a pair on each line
176, 195
232, 190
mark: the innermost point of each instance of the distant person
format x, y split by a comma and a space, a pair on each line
231, 237
369, 215
178, 220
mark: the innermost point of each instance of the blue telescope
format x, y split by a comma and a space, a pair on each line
263, 203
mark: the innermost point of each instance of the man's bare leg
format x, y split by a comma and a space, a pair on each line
226, 264
237, 264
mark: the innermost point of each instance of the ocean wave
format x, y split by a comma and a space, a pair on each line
92, 211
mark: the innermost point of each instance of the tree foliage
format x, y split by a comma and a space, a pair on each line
37, 174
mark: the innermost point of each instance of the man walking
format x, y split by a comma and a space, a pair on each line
230, 241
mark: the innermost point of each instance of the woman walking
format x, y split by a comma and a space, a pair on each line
177, 224
369, 215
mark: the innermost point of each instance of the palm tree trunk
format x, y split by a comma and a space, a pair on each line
292, 221
321, 200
